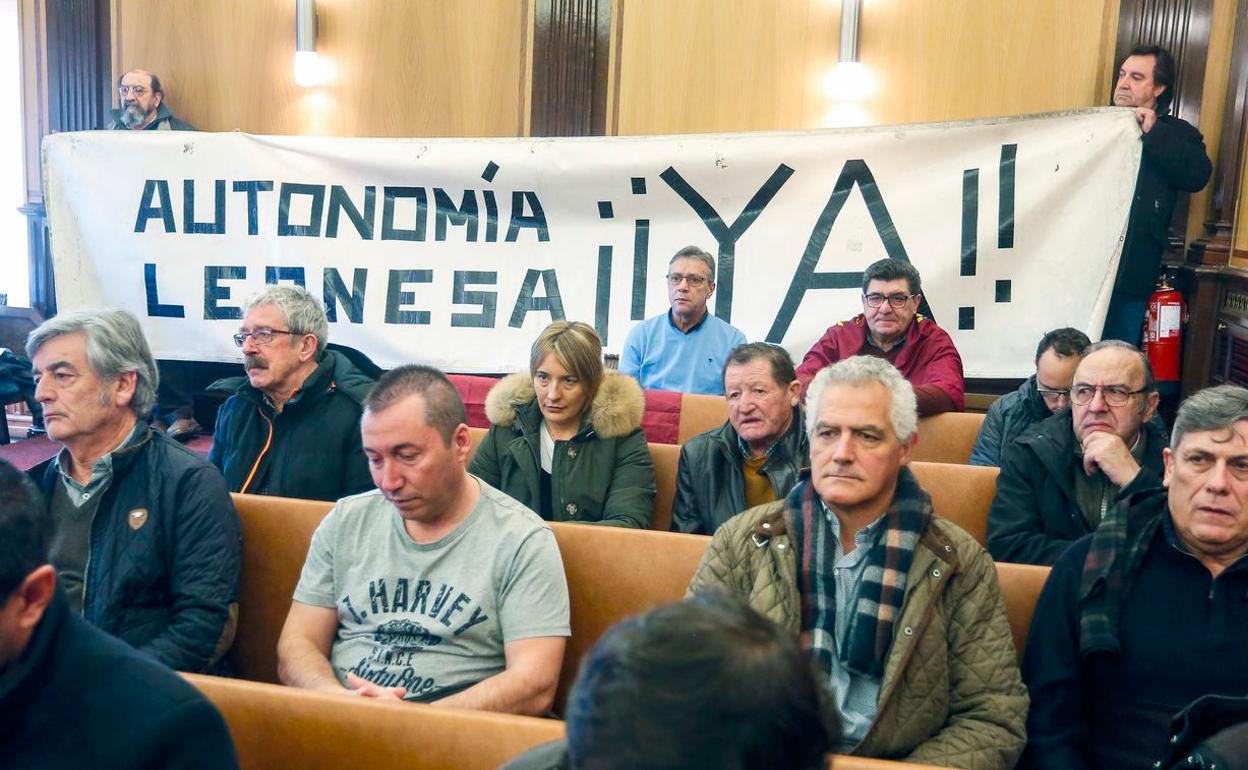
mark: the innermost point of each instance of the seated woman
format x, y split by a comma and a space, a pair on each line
565, 439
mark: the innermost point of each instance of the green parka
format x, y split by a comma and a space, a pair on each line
602, 475
951, 693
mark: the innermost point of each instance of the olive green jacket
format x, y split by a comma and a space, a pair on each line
951, 693
602, 475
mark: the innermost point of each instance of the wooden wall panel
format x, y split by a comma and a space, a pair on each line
707, 65
1212, 102
429, 68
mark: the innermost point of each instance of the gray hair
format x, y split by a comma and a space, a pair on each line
701, 255
115, 345
1216, 408
303, 313
1150, 382
862, 370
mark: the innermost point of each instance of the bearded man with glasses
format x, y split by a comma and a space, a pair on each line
891, 327
684, 349
1062, 479
290, 427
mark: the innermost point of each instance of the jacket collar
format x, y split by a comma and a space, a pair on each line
792, 443
616, 410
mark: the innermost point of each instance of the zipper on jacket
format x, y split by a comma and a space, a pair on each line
267, 443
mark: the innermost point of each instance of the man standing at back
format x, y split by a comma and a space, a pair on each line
291, 426
890, 328
684, 349
435, 586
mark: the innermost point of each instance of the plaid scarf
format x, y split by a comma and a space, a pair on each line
1114, 557
883, 586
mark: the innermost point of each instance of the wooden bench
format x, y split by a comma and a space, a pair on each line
960, 493
948, 437
274, 726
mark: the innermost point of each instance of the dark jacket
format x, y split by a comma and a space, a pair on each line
78, 698
165, 121
603, 475
165, 547
1035, 514
1211, 733
1006, 420
1173, 160
311, 449
710, 485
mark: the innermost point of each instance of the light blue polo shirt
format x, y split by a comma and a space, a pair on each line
662, 357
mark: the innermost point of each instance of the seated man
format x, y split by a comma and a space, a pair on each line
1060, 479
291, 426
890, 328
755, 456
743, 696
70, 694
683, 349
931, 680
435, 586
1148, 613
1041, 395
146, 543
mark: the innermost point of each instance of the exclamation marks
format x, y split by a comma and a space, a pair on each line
970, 226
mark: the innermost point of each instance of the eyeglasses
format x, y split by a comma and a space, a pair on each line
1051, 394
694, 280
258, 336
136, 90
896, 300
1114, 395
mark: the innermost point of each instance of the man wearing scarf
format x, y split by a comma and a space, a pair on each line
898, 607
1149, 612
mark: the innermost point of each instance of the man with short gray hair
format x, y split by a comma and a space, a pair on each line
930, 679
152, 520
1147, 613
683, 349
291, 426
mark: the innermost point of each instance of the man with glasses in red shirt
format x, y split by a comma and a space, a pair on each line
1062, 479
890, 327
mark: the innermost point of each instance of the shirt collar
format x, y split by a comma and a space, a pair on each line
693, 328
104, 465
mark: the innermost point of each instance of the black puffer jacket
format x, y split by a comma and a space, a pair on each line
1035, 515
311, 449
710, 487
165, 548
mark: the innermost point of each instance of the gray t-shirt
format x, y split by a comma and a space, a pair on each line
433, 617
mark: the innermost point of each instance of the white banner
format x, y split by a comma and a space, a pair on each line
456, 252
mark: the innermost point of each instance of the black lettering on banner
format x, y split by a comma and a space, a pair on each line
215, 293
854, 172
392, 194
158, 188
251, 187
1005, 204
536, 220
970, 220
287, 191
154, 308
465, 215
335, 291
726, 236
486, 300
602, 300
641, 265
217, 225
527, 303
275, 274
491, 216
396, 298
339, 201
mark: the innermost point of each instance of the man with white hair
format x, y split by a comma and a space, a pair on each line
291, 426
931, 680
146, 544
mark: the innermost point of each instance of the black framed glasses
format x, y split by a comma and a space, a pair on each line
694, 280
1053, 394
258, 336
896, 300
1114, 395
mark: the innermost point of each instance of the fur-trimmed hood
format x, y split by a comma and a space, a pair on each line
616, 410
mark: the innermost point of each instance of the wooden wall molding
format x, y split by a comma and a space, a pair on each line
571, 51
1215, 246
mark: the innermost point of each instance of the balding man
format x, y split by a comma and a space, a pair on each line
143, 105
1060, 480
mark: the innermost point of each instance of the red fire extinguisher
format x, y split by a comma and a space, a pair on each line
1163, 331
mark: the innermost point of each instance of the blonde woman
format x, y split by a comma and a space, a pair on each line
565, 438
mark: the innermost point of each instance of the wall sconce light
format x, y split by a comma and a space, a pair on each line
850, 82
310, 69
